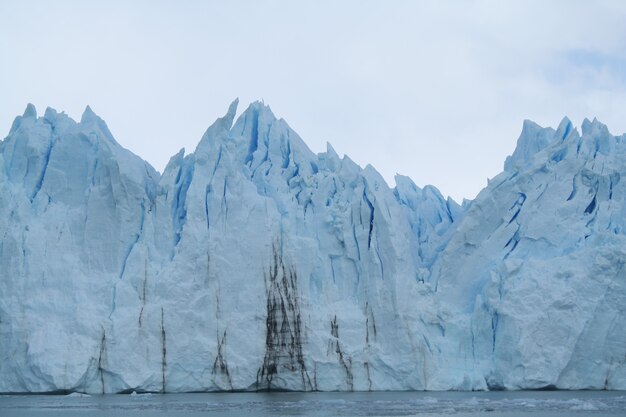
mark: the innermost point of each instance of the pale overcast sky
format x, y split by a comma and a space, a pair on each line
436, 90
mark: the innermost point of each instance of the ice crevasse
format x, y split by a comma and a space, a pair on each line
253, 263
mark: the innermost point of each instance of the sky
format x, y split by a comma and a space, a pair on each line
436, 90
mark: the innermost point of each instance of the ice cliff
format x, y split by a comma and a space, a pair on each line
253, 263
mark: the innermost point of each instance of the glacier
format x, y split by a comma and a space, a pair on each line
255, 264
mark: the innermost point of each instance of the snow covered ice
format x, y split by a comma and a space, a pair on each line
253, 263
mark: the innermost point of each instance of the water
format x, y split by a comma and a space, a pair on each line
461, 404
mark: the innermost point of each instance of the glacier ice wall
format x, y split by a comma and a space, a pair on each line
253, 263
536, 270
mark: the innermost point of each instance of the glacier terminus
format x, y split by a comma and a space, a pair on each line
254, 264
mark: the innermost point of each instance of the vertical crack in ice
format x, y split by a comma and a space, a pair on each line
473, 341
592, 205
207, 191
592, 208
371, 217
287, 151
284, 336
517, 206
369, 314
144, 290
209, 188
217, 162
380, 259
266, 157
448, 211
135, 240
220, 365
356, 241
44, 169
573, 193
495, 317
224, 202
369, 378
566, 132
113, 299
513, 241
332, 194
101, 358
335, 347
254, 138
163, 352
179, 205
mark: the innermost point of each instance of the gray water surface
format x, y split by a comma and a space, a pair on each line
466, 404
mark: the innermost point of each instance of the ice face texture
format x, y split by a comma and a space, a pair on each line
253, 263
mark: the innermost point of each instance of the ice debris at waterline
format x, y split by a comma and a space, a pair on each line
253, 263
